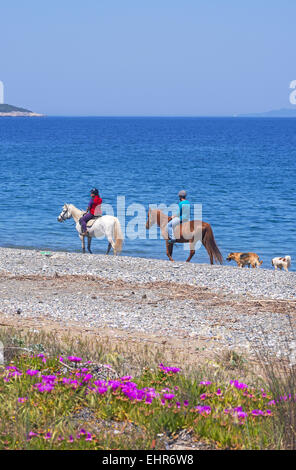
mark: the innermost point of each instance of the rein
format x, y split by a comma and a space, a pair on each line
62, 215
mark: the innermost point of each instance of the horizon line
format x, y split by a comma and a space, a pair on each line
249, 115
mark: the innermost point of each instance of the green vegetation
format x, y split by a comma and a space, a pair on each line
64, 395
8, 108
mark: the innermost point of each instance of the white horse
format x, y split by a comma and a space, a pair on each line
106, 225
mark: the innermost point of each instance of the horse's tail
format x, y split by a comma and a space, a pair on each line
210, 245
118, 236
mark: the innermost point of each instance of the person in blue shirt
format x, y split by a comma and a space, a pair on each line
183, 215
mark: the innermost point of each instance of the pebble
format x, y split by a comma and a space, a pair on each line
149, 314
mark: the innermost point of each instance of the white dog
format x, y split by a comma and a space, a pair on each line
281, 262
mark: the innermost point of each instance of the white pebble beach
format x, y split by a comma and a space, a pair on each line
233, 306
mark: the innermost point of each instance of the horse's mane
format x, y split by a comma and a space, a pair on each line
74, 207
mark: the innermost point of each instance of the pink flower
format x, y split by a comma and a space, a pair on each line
167, 370
44, 387
101, 390
48, 378
238, 411
87, 377
32, 372
74, 359
203, 409
168, 396
238, 385
242, 414
22, 399
257, 412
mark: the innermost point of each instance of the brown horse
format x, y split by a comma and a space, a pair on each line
187, 232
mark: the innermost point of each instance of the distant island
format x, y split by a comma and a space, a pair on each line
284, 112
14, 111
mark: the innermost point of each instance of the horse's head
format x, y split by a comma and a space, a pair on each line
65, 214
155, 216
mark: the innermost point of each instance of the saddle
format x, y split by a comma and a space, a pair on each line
179, 228
92, 221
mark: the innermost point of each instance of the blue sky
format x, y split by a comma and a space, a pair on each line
148, 57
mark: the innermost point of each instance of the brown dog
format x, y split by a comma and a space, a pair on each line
243, 259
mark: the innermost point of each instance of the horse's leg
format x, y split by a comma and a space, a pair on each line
82, 243
109, 234
169, 250
111, 242
192, 252
88, 244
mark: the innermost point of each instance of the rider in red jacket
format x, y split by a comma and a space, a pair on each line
93, 210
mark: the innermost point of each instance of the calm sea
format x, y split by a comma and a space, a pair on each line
242, 171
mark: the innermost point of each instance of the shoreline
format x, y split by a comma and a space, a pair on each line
78, 251
258, 283
197, 306
20, 114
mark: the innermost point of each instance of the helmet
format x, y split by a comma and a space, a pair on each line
182, 193
94, 191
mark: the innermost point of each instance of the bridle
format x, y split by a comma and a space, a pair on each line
63, 213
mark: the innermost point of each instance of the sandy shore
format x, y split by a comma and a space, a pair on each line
195, 306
